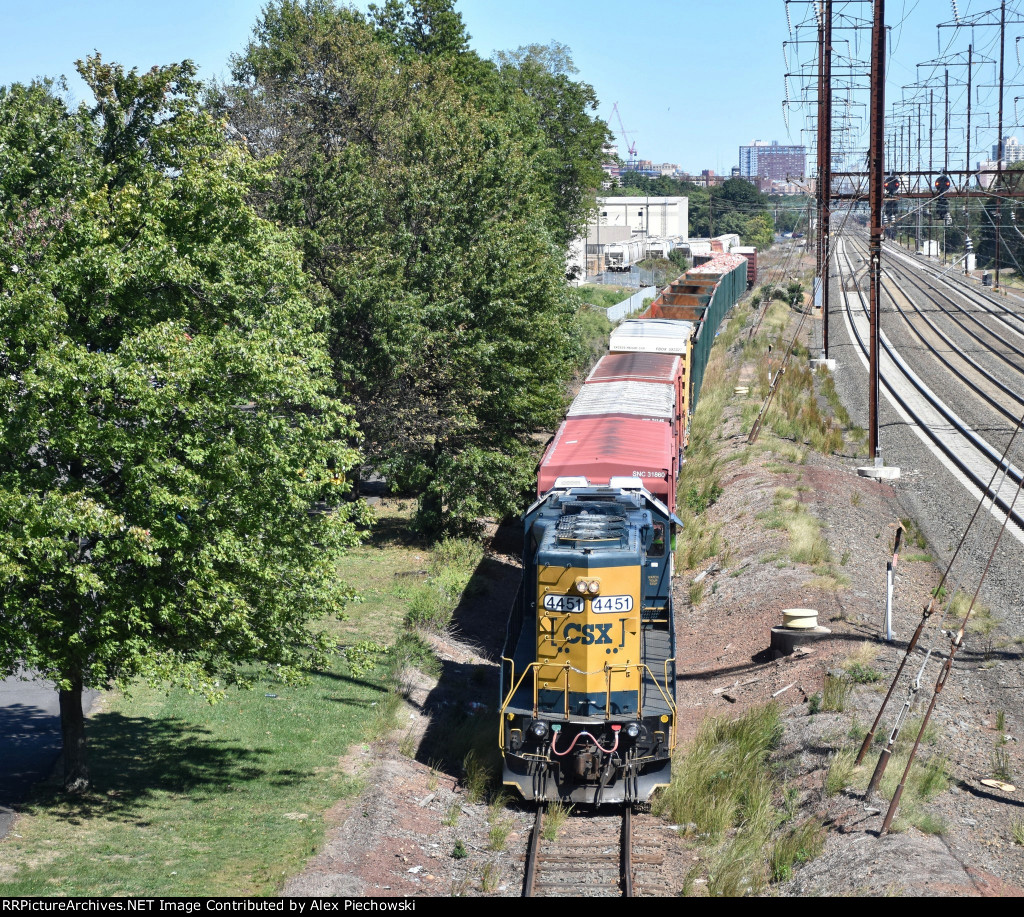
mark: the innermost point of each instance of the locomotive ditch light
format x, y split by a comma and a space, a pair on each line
633, 730
539, 728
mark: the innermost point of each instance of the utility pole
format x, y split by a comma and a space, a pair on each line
999, 138
967, 165
875, 174
825, 173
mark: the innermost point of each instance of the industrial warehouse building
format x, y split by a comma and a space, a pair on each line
622, 219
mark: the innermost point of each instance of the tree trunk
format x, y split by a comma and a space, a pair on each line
72, 726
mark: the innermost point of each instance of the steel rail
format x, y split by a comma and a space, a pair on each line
979, 444
973, 317
627, 852
535, 859
994, 403
969, 289
530, 875
960, 312
929, 608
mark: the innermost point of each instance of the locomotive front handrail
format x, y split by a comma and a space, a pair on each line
640, 668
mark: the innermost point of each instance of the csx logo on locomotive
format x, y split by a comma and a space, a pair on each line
589, 634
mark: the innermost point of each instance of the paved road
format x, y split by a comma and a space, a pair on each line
30, 739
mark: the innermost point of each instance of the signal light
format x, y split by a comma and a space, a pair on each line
891, 185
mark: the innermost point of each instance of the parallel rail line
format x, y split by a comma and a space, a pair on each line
970, 470
895, 275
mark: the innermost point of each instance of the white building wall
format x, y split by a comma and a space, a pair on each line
653, 217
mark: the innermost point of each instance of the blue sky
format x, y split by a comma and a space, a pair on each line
693, 80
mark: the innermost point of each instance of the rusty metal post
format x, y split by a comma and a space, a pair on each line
826, 178
967, 164
999, 160
820, 143
875, 169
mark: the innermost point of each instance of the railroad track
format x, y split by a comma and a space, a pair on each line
957, 442
596, 855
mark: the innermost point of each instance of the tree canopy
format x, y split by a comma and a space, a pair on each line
169, 412
433, 215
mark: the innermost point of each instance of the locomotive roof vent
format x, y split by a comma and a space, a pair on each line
591, 527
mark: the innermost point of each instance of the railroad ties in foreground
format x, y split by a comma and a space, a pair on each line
598, 855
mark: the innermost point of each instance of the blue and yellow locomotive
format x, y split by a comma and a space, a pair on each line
588, 674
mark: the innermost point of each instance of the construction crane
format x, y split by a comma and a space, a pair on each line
630, 144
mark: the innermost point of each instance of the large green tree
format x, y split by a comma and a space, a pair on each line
168, 416
423, 211
567, 136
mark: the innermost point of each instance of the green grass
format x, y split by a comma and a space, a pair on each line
604, 295
719, 781
596, 328
726, 790
807, 545
795, 413
862, 674
451, 567
840, 772
799, 844
835, 694
699, 485
193, 799
913, 534
554, 818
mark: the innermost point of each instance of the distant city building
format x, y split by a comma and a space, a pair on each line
772, 161
610, 161
1012, 151
987, 172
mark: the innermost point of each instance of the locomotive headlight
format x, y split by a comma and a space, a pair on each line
539, 728
594, 587
633, 730
581, 585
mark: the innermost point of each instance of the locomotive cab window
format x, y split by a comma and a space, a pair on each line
657, 548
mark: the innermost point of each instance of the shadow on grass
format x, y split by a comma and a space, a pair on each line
482, 614
393, 530
463, 717
132, 760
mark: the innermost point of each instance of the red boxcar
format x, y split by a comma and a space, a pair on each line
604, 447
